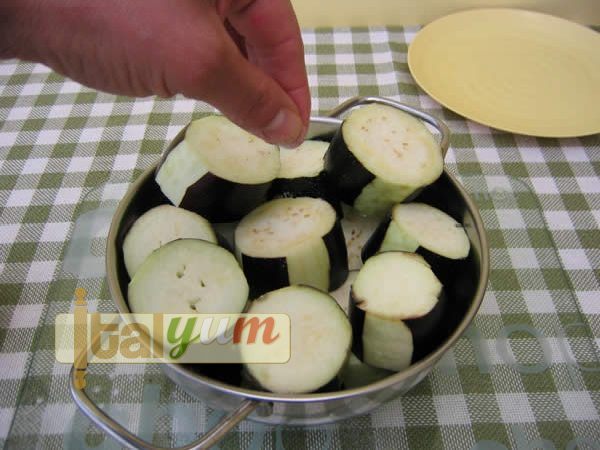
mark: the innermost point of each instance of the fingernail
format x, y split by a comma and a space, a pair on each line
286, 129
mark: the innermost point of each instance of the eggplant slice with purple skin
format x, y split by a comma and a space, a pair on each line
381, 156
159, 226
396, 303
411, 226
321, 337
302, 174
219, 170
292, 241
428, 231
188, 276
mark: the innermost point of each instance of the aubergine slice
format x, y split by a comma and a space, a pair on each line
381, 156
219, 170
188, 276
158, 226
356, 373
421, 228
321, 337
292, 241
410, 226
302, 174
305, 161
395, 309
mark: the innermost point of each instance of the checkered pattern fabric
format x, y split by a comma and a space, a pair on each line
526, 375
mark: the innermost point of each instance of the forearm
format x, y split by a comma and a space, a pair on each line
41, 31
164, 47
29, 29
10, 29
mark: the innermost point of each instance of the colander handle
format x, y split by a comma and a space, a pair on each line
126, 438
355, 102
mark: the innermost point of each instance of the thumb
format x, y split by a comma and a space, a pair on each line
252, 100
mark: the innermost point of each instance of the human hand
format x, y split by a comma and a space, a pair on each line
245, 57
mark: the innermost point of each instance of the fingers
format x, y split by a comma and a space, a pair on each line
274, 43
183, 46
237, 38
249, 97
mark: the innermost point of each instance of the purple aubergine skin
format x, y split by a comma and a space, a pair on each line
426, 331
441, 195
268, 274
344, 170
223, 242
220, 200
265, 274
356, 316
461, 280
374, 242
318, 186
444, 268
335, 243
449, 271
148, 197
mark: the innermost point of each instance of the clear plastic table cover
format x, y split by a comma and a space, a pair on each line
527, 345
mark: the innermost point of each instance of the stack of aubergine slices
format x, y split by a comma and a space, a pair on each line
287, 253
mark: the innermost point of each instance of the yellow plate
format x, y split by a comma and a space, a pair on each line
514, 70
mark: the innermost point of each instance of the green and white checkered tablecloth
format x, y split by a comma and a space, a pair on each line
527, 375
